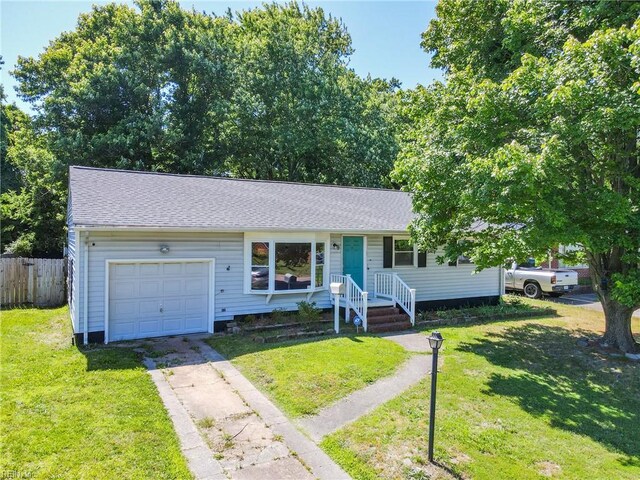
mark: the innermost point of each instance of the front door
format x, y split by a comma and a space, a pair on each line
353, 259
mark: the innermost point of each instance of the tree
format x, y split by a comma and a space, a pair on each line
298, 113
509, 163
264, 94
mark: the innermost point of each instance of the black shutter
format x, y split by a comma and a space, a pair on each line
387, 256
422, 259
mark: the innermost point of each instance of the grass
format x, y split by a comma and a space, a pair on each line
517, 399
303, 377
71, 413
509, 305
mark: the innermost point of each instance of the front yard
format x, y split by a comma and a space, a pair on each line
516, 399
67, 413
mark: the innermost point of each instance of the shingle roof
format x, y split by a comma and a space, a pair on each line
121, 198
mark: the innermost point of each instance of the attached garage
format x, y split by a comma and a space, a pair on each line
157, 298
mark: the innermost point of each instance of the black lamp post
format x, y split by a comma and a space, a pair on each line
435, 342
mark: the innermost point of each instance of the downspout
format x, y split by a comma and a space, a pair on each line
501, 284
85, 289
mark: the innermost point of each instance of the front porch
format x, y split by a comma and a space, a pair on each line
379, 307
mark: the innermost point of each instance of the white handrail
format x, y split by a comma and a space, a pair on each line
391, 286
354, 297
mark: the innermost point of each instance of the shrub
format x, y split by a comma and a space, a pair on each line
278, 315
308, 313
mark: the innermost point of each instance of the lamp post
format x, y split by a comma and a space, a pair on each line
435, 342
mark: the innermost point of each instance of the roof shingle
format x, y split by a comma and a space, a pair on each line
121, 198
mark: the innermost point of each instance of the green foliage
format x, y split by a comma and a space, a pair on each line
308, 313
278, 315
534, 144
265, 94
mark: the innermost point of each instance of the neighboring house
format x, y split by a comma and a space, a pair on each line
160, 254
582, 269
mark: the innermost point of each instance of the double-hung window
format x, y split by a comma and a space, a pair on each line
403, 253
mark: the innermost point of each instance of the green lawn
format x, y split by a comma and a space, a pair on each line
82, 414
516, 399
303, 377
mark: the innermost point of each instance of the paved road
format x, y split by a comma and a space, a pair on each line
587, 300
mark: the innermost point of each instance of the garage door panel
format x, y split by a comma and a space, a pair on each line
138, 293
196, 269
172, 268
123, 309
149, 288
173, 286
194, 322
173, 306
149, 325
195, 304
125, 289
150, 269
123, 270
196, 286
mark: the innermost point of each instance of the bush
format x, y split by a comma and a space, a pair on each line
308, 313
278, 315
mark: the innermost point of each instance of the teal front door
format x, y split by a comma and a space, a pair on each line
353, 259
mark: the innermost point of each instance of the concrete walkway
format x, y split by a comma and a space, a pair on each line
363, 401
227, 428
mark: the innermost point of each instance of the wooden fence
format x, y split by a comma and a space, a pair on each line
36, 281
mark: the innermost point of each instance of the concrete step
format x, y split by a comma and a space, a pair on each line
400, 317
382, 312
389, 327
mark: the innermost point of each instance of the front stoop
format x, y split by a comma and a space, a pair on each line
387, 319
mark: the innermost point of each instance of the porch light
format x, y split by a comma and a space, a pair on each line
435, 342
335, 246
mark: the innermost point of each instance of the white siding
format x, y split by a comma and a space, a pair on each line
72, 254
226, 248
435, 282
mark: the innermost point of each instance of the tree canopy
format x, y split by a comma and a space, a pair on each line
533, 141
266, 93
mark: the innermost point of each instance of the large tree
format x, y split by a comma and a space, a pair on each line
263, 94
534, 142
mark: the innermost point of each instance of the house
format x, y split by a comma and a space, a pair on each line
161, 254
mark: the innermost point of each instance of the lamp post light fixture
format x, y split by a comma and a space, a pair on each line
435, 342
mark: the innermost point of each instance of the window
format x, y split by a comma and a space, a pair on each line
293, 266
283, 263
402, 253
259, 266
461, 260
319, 265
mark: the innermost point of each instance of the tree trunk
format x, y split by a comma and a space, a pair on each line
617, 333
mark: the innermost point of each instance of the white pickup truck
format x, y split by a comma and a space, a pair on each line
535, 281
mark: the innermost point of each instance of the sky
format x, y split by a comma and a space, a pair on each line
385, 34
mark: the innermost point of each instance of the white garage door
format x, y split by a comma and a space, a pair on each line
156, 299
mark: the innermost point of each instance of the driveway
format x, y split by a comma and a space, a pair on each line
587, 300
227, 429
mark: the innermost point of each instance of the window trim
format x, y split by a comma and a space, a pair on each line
414, 264
281, 237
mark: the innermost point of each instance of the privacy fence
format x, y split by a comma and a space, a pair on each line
32, 281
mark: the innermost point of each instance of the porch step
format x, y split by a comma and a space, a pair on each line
389, 327
382, 312
379, 319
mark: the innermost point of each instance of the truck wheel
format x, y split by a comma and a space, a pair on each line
532, 290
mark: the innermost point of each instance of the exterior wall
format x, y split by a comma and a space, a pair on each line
226, 248
72, 275
433, 282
